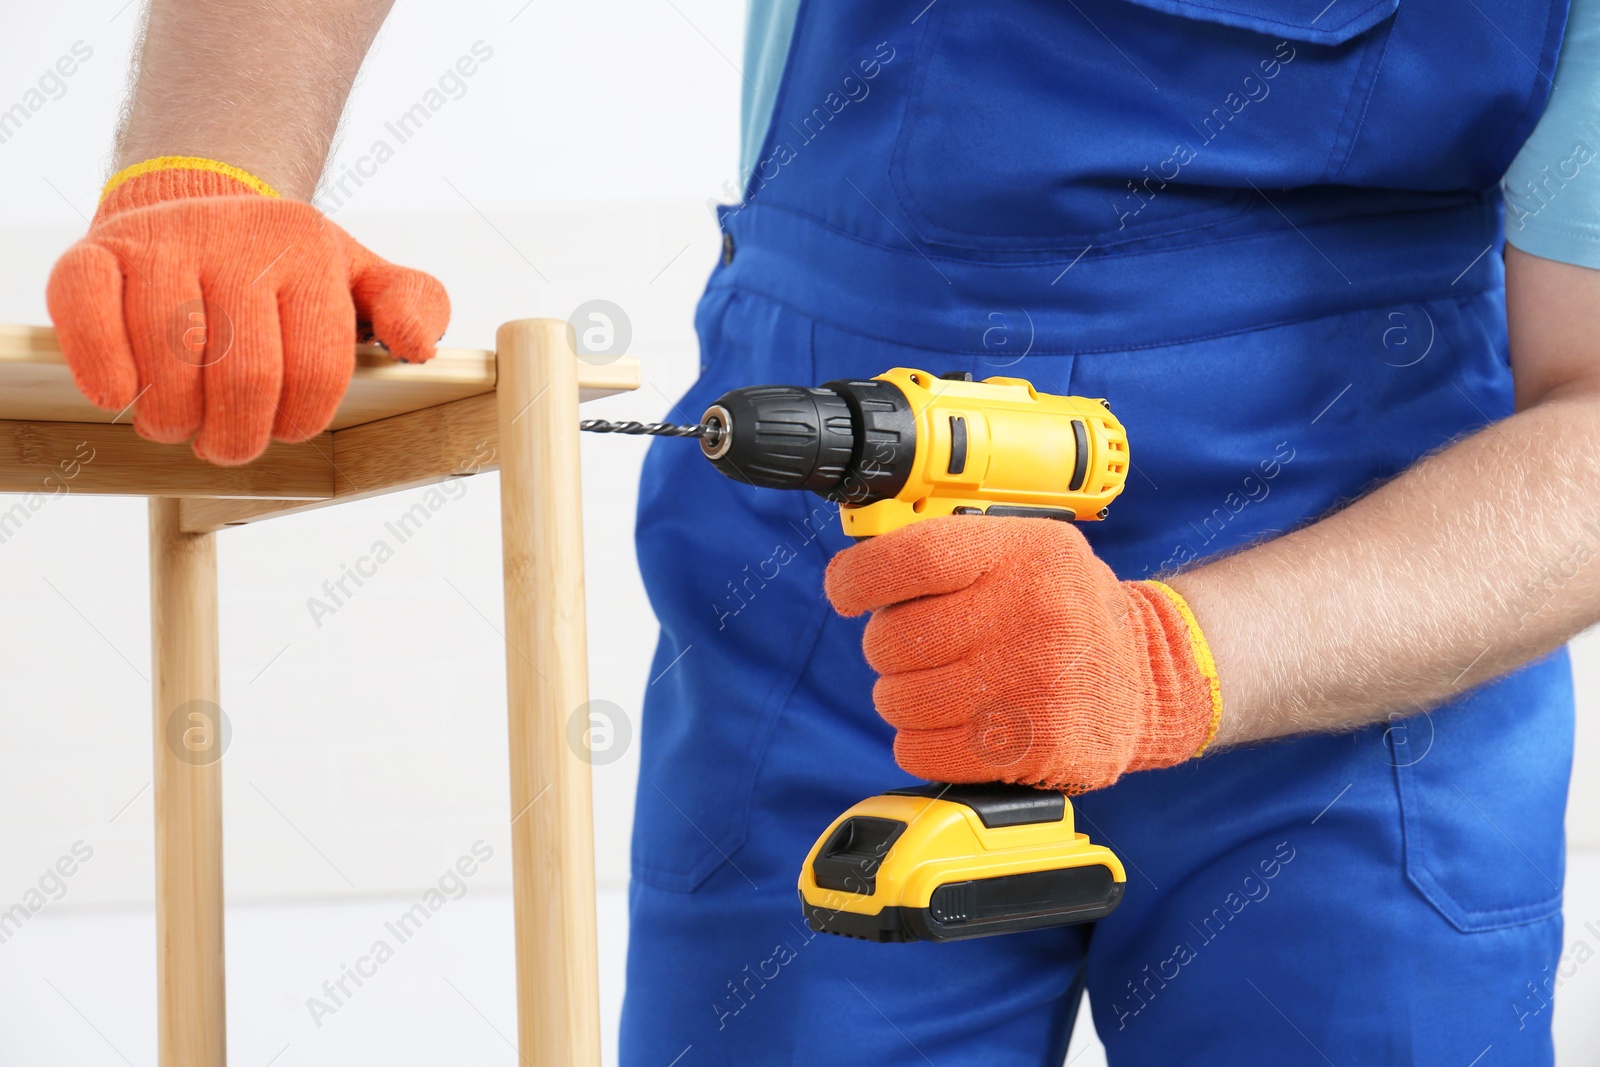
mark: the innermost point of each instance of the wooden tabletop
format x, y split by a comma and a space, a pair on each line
400, 425
35, 385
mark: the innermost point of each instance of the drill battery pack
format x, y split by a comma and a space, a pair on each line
947, 862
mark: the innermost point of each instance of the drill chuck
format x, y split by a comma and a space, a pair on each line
850, 441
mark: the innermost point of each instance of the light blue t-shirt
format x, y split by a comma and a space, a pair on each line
766, 47
1552, 189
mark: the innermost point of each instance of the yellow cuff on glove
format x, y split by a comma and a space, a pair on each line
1202, 658
189, 163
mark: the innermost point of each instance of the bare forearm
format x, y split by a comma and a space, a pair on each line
259, 84
1473, 562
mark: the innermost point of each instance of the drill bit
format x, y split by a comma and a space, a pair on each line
653, 429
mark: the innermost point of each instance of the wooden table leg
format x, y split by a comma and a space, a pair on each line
191, 1024
552, 827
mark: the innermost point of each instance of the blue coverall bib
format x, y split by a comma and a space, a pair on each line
1268, 232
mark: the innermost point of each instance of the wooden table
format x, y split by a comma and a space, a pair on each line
400, 426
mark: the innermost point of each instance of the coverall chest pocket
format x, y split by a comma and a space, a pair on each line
1107, 121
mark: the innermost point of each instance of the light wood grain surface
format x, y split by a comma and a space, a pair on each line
401, 425
547, 683
92, 457
191, 1018
35, 385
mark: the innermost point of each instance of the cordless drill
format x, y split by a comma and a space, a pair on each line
909, 445
935, 862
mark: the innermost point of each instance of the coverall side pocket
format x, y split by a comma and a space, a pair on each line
1483, 790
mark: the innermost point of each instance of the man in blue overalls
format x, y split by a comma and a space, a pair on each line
1270, 232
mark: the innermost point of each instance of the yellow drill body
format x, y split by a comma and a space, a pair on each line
998, 442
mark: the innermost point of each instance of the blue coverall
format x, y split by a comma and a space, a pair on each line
1269, 232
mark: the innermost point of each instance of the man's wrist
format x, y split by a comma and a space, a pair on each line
258, 86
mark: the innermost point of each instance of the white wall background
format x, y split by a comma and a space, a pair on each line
368, 753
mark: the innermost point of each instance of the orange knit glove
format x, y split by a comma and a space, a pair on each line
224, 313
1009, 652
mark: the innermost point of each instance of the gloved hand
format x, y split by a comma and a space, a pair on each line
1009, 652
224, 313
